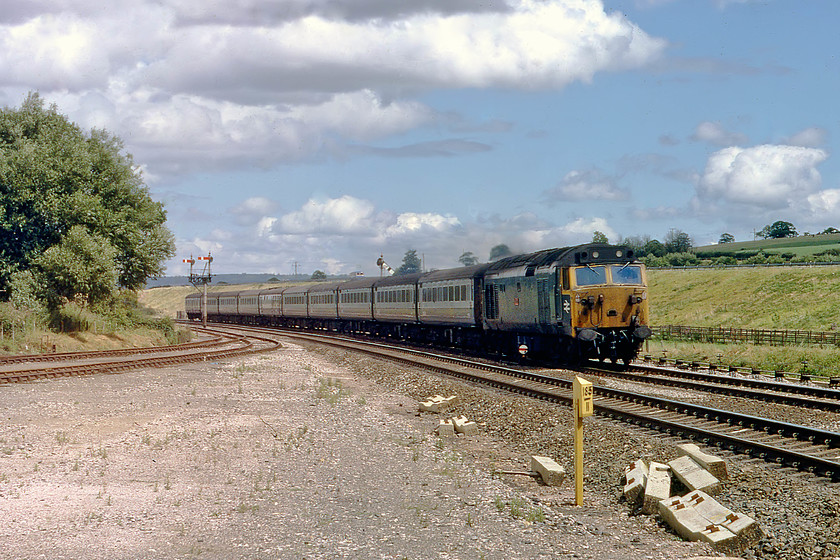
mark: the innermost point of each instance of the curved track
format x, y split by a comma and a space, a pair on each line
218, 345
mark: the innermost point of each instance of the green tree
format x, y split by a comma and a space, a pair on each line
655, 248
778, 230
319, 275
499, 251
726, 238
637, 244
411, 263
54, 177
830, 230
677, 241
468, 259
80, 268
599, 237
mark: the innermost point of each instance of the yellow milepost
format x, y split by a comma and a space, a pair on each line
583, 405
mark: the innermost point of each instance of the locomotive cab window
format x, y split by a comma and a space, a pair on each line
590, 275
626, 274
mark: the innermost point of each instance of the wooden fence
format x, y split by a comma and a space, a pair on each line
726, 335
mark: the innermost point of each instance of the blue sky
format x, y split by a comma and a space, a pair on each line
326, 132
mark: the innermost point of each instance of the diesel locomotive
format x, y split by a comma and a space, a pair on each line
566, 304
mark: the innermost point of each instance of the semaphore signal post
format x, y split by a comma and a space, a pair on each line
200, 280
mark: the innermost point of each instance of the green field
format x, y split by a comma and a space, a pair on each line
801, 298
800, 246
805, 298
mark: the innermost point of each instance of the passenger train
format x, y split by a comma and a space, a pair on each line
566, 304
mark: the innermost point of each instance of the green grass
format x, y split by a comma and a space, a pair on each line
800, 298
816, 243
757, 298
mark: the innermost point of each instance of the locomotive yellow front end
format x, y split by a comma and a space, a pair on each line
608, 305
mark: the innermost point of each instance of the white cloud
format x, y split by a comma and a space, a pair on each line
766, 176
809, 138
585, 185
411, 222
194, 85
345, 215
581, 229
715, 133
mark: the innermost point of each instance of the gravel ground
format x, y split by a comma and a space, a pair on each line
314, 453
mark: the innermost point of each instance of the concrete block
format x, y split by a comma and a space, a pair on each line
635, 480
464, 426
693, 476
551, 473
438, 403
745, 528
699, 517
684, 519
714, 465
657, 488
445, 429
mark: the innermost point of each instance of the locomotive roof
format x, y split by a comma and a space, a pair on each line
579, 254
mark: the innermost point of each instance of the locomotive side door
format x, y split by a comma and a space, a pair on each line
543, 302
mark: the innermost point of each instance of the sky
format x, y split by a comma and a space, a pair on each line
298, 135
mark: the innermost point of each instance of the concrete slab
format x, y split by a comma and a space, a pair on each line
744, 527
693, 476
657, 488
438, 403
698, 516
551, 473
635, 480
714, 465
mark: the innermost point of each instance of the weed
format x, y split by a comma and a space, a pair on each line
330, 390
61, 438
517, 506
536, 515
245, 508
500, 504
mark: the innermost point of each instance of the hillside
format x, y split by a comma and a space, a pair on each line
800, 246
767, 298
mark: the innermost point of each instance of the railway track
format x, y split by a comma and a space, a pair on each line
218, 345
780, 392
801, 447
